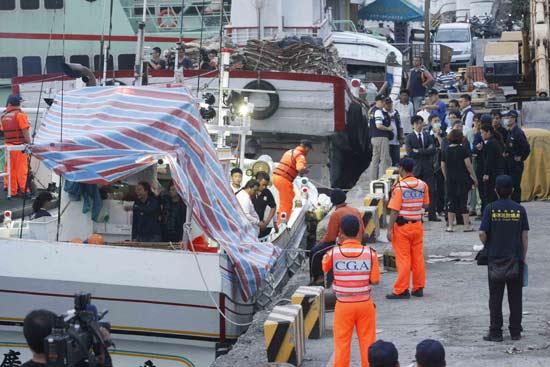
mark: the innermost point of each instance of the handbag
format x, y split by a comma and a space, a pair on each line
502, 270
481, 258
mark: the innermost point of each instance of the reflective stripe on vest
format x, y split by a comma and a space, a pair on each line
12, 133
352, 268
412, 198
287, 166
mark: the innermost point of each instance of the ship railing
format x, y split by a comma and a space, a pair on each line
240, 35
7, 149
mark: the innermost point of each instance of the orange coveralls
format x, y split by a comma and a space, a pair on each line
347, 315
292, 162
409, 196
18, 159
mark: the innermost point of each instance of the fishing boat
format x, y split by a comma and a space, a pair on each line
169, 304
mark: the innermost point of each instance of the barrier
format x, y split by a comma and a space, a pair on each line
392, 171
371, 223
378, 201
284, 335
312, 301
381, 186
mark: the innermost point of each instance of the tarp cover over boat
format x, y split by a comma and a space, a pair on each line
103, 134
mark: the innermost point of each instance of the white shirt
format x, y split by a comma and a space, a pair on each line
406, 111
379, 117
248, 208
393, 126
235, 189
424, 114
468, 121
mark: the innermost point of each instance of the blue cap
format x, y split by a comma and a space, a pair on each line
14, 99
307, 143
504, 182
350, 225
512, 113
383, 354
430, 353
380, 97
407, 164
433, 91
337, 197
486, 118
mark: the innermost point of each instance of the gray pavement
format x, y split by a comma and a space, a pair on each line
454, 309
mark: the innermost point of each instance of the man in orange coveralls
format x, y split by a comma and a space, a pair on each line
15, 126
355, 268
410, 195
292, 164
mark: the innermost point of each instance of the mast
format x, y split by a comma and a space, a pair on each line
138, 67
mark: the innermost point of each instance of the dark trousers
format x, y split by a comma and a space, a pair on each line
431, 182
316, 258
516, 171
395, 154
440, 192
486, 192
496, 294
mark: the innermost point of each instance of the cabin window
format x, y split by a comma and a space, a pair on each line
30, 4
32, 65
99, 66
139, 10
7, 4
126, 61
53, 4
53, 64
8, 67
83, 60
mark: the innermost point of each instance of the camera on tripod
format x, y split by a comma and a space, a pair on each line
76, 339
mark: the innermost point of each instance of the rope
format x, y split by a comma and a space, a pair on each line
187, 230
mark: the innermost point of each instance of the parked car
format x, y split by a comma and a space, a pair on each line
459, 37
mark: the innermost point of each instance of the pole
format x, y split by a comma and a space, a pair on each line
138, 67
427, 35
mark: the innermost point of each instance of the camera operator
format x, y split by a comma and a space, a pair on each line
36, 326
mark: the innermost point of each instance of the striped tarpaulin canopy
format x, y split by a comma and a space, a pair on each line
104, 134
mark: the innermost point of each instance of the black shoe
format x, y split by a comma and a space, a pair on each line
493, 338
434, 219
404, 295
516, 337
418, 293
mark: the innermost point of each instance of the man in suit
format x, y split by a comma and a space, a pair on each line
421, 148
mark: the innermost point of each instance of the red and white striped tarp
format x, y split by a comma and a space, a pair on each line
104, 134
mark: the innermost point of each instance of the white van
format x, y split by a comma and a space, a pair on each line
459, 37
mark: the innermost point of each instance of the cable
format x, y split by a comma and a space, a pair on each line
187, 229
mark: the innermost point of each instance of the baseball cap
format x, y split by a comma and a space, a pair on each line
504, 182
350, 225
306, 143
512, 113
430, 353
383, 354
338, 196
14, 99
388, 100
433, 91
380, 97
486, 118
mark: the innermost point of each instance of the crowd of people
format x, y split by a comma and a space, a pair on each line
180, 59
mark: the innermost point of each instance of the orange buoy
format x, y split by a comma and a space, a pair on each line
96, 239
76, 240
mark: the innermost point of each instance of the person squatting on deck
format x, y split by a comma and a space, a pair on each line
15, 126
292, 163
355, 268
334, 231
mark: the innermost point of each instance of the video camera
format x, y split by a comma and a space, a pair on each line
76, 339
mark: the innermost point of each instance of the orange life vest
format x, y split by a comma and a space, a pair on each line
412, 192
287, 165
12, 133
352, 268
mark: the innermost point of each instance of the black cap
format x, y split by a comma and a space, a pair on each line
504, 182
14, 99
407, 164
350, 225
306, 143
433, 91
380, 97
486, 118
383, 354
388, 100
430, 353
337, 197
511, 113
